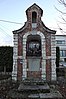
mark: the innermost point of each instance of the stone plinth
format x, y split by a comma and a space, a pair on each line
35, 89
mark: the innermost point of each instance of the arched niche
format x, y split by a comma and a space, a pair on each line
33, 45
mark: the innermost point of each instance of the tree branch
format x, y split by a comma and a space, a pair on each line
64, 19
60, 11
62, 2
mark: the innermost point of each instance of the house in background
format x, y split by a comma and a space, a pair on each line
61, 43
34, 52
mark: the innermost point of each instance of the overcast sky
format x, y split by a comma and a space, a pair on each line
14, 11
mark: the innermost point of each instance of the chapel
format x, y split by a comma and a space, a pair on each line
34, 51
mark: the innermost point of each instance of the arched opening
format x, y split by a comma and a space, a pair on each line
34, 66
33, 45
34, 17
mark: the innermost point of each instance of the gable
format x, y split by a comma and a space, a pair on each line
34, 7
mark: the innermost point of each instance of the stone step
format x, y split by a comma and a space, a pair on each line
56, 95
36, 88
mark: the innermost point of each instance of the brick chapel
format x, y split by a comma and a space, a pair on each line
34, 51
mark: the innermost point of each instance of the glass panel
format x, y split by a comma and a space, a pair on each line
63, 53
60, 41
33, 46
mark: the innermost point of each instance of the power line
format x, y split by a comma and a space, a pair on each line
22, 23
4, 29
5, 33
10, 22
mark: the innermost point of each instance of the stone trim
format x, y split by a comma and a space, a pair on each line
15, 55
53, 67
53, 59
43, 54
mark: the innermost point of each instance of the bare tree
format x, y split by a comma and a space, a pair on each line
63, 14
